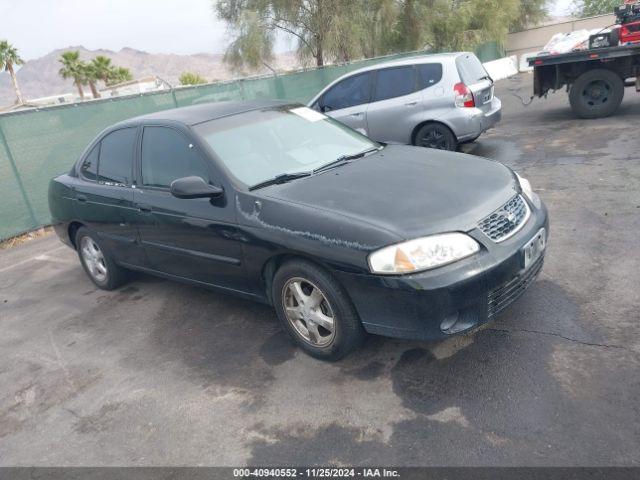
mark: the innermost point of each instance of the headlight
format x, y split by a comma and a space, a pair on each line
528, 191
422, 253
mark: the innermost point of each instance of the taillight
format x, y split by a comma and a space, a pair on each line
464, 97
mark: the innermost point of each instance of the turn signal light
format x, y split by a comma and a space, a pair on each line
464, 97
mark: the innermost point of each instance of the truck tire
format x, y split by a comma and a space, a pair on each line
614, 38
596, 93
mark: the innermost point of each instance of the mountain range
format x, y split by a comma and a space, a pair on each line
39, 77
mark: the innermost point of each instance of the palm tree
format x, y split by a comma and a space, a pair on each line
90, 77
119, 75
73, 67
102, 67
8, 58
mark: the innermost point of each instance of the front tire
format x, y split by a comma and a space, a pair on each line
436, 135
315, 311
97, 262
596, 94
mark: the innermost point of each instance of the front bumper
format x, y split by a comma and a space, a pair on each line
452, 299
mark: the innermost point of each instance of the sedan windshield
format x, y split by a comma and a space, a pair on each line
260, 145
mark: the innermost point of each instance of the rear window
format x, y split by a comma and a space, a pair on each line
116, 156
470, 69
428, 74
89, 167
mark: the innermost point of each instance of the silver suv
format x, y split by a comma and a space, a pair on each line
436, 101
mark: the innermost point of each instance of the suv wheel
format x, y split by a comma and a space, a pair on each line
315, 311
435, 135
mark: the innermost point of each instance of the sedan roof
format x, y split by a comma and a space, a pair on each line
204, 112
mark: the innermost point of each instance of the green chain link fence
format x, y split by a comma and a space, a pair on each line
36, 145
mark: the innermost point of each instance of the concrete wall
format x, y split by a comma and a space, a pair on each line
536, 38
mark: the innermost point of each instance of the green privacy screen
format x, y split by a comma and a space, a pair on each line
36, 145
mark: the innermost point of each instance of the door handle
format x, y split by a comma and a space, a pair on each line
144, 208
81, 198
411, 104
359, 114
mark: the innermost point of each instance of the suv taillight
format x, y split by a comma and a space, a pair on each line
464, 97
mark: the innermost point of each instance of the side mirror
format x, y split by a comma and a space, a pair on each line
194, 187
325, 108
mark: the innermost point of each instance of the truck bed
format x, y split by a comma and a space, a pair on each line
552, 72
586, 55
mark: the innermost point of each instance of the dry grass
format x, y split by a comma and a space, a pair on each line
25, 237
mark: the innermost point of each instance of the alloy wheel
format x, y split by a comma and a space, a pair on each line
94, 259
434, 139
308, 311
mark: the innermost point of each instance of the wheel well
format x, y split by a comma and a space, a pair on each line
72, 230
590, 67
426, 122
274, 263
551, 78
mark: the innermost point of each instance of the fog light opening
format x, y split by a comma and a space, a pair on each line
459, 322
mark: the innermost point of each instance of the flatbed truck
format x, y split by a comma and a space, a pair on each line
595, 79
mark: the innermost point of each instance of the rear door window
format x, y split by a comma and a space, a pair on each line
168, 155
470, 69
428, 74
116, 157
394, 82
349, 92
89, 167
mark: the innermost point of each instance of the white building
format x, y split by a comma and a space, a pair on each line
133, 87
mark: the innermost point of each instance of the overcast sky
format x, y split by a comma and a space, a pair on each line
562, 7
36, 27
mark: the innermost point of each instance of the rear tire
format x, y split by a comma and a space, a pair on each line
596, 94
435, 135
315, 311
97, 262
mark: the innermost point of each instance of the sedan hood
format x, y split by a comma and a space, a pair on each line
409, 191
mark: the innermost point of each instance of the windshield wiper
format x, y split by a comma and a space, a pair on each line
345, 158
282, 178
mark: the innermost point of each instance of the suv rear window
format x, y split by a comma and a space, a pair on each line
428, 74
470, 69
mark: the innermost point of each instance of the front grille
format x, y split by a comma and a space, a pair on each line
501, 297
505, 221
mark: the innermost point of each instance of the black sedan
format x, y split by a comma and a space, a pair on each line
280, 204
